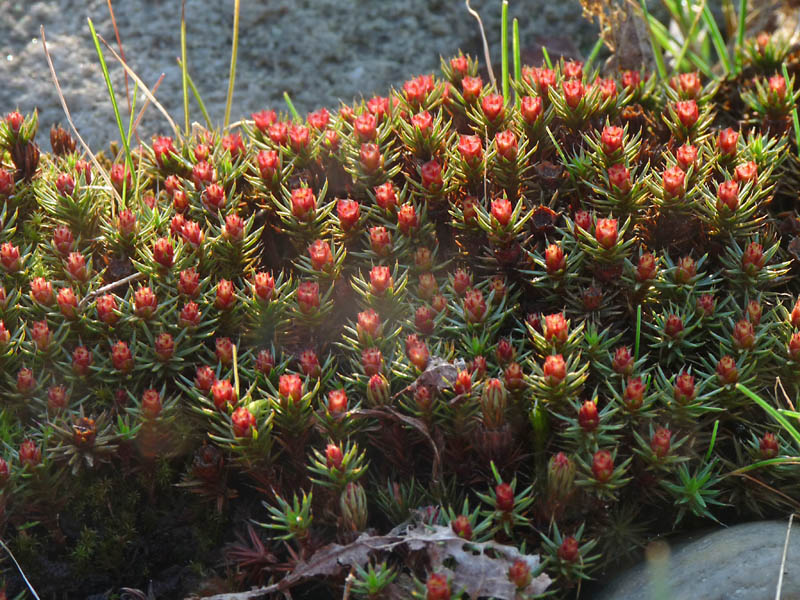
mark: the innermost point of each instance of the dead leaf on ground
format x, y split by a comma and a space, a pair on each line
479, 569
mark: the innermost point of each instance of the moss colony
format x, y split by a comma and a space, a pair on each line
510, 339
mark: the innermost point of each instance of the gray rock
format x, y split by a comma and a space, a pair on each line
319, 51
738, 563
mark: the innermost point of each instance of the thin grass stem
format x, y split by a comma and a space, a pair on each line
145, 90
146, 104
740, 34
713, 440
292, 109
234, 54
83, 143
517, 60
184, 74
768, 462
198, 98
130, 132
561, 154
504, 48
795, 120
121, 51
487, 57
638, 332
771, 411
19, 568
546, 58
662, 71
667, 42
689, 37
104, 67
235, 371
716, 39
133, 110
598, 45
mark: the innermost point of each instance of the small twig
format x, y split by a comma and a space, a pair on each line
107, 288
486, 55
21, 572
92, 157
783, 558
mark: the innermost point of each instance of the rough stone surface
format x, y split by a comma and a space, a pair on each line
319, 51
737, 563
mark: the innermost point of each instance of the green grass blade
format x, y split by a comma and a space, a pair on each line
690, 35
104, 67
197, 97
234, 54
772, 411
561, 154
705, 48
716, 39
638, 332
662, 70
795, 120
546, 58
786, 460
504, 47
740, 34
133, 110
19, 568
517, 58
289, 103
598, 45
134, 177
675, 8
713, 440
669, 43
184, 74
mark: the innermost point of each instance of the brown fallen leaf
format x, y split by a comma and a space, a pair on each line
478, 568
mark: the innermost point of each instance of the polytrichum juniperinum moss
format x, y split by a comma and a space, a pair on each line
536, 321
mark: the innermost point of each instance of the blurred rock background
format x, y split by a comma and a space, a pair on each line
319, 51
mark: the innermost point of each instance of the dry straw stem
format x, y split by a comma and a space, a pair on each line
21, 572
146, 104
783, 558
107, 288
779, 384
93, 158
486, 55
